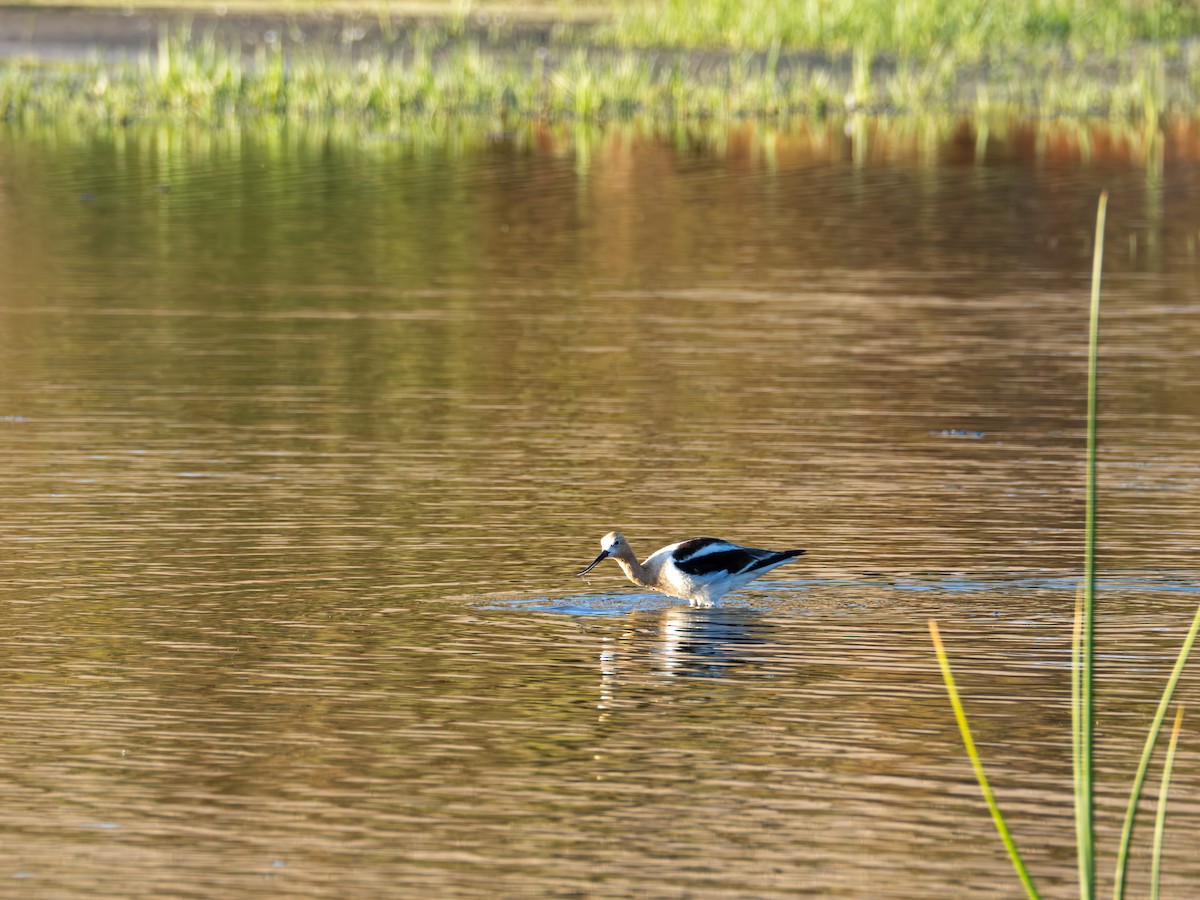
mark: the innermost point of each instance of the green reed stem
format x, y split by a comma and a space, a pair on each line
1136, 791
1083, 837
1160, 818
968, 742
1084, 824
1082, 671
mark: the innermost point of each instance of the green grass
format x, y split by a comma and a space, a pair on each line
971, 29
1160, 817
989, 798
1139, 777
1082, 653
1081, 756
199, 78
774, 59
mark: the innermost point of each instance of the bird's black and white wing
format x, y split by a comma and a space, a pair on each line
711, 557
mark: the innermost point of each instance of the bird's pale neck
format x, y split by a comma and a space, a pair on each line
633, 569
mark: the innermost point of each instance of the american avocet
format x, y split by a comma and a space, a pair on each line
700, 571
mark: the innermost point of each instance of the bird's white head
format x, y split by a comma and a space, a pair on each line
612, 544
612, 541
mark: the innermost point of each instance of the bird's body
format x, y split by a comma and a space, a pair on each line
700, 571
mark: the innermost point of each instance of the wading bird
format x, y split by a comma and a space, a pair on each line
700, 571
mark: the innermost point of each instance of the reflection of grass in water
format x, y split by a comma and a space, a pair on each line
1081, 677
202, 78
903, 141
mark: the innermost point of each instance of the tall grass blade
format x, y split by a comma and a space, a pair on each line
1160, 818
1083, 837
1136, 791
1084, 825
969, 743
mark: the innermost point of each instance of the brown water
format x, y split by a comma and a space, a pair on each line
303, 434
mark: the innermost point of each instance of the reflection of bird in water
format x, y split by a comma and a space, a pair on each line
690, 643
673, 643
708, 643
700, 571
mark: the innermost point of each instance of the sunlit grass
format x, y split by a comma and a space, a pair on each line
1119, 59
200, 78
977, 764
1083, 653
1081, 756
1139, 777
1082, 656
1160, 816
971, 29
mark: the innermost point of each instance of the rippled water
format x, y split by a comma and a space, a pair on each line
302, 436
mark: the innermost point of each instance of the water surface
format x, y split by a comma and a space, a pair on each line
303, 433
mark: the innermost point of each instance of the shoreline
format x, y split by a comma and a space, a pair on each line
385, 64
81, 33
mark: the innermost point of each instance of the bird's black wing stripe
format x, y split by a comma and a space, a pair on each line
688, 549
776, 558
736, 560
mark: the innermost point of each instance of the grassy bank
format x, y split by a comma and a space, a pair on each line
970, 30
666, 62
207, 80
